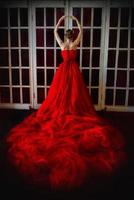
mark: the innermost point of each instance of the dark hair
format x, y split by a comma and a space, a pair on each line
69, 33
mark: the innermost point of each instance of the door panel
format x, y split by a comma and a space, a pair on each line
118, 89
90, 15
46, 50
15, 68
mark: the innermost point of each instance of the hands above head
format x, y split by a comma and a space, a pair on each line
69, 16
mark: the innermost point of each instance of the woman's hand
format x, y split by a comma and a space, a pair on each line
69, 16
73, 17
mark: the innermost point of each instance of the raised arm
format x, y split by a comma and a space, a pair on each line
60, 42
77, 40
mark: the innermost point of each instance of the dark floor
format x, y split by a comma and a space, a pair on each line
119, 186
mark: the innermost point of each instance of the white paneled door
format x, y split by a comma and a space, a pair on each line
15, 54
29, 54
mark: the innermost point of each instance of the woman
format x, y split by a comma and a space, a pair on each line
68, 43
65, 143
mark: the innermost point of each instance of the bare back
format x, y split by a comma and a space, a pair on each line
68, 45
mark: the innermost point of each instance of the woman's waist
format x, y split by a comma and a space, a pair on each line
69, 62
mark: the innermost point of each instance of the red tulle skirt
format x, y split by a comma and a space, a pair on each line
65, 143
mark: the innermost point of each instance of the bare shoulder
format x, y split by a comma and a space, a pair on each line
63, 46
73, 46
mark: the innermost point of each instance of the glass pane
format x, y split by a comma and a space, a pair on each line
58, 57
26, 95
85, 73
23, 17
15, 77
124, 17
114, 17
4, 76
14, 37
4, 95
94, 94
112, 38
97, 16
13, 17
123, 39
24, 57
39, 16
96, 37
96, 58
86, 16
49, 16
86, 38
95, 77
109, 97
120, 97
131, 59
50, 74
78, 57
75, 34
24, 37
40, 57
49, 37
48, 90
50, 57
77, 13
61, 34
4, 57
59, 13
25, 76
40, 95
3, 38
3, 17
16, 95
110, 78
132, 39
111, 58
132, 17
122, 59
131, 98
121, 78
131, 79
40, 77
85, 58
39, 37
14, 57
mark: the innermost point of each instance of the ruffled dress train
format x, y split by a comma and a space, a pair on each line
65, 142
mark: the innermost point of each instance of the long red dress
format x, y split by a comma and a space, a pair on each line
65, 142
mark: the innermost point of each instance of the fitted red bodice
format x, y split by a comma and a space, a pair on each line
68, 55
